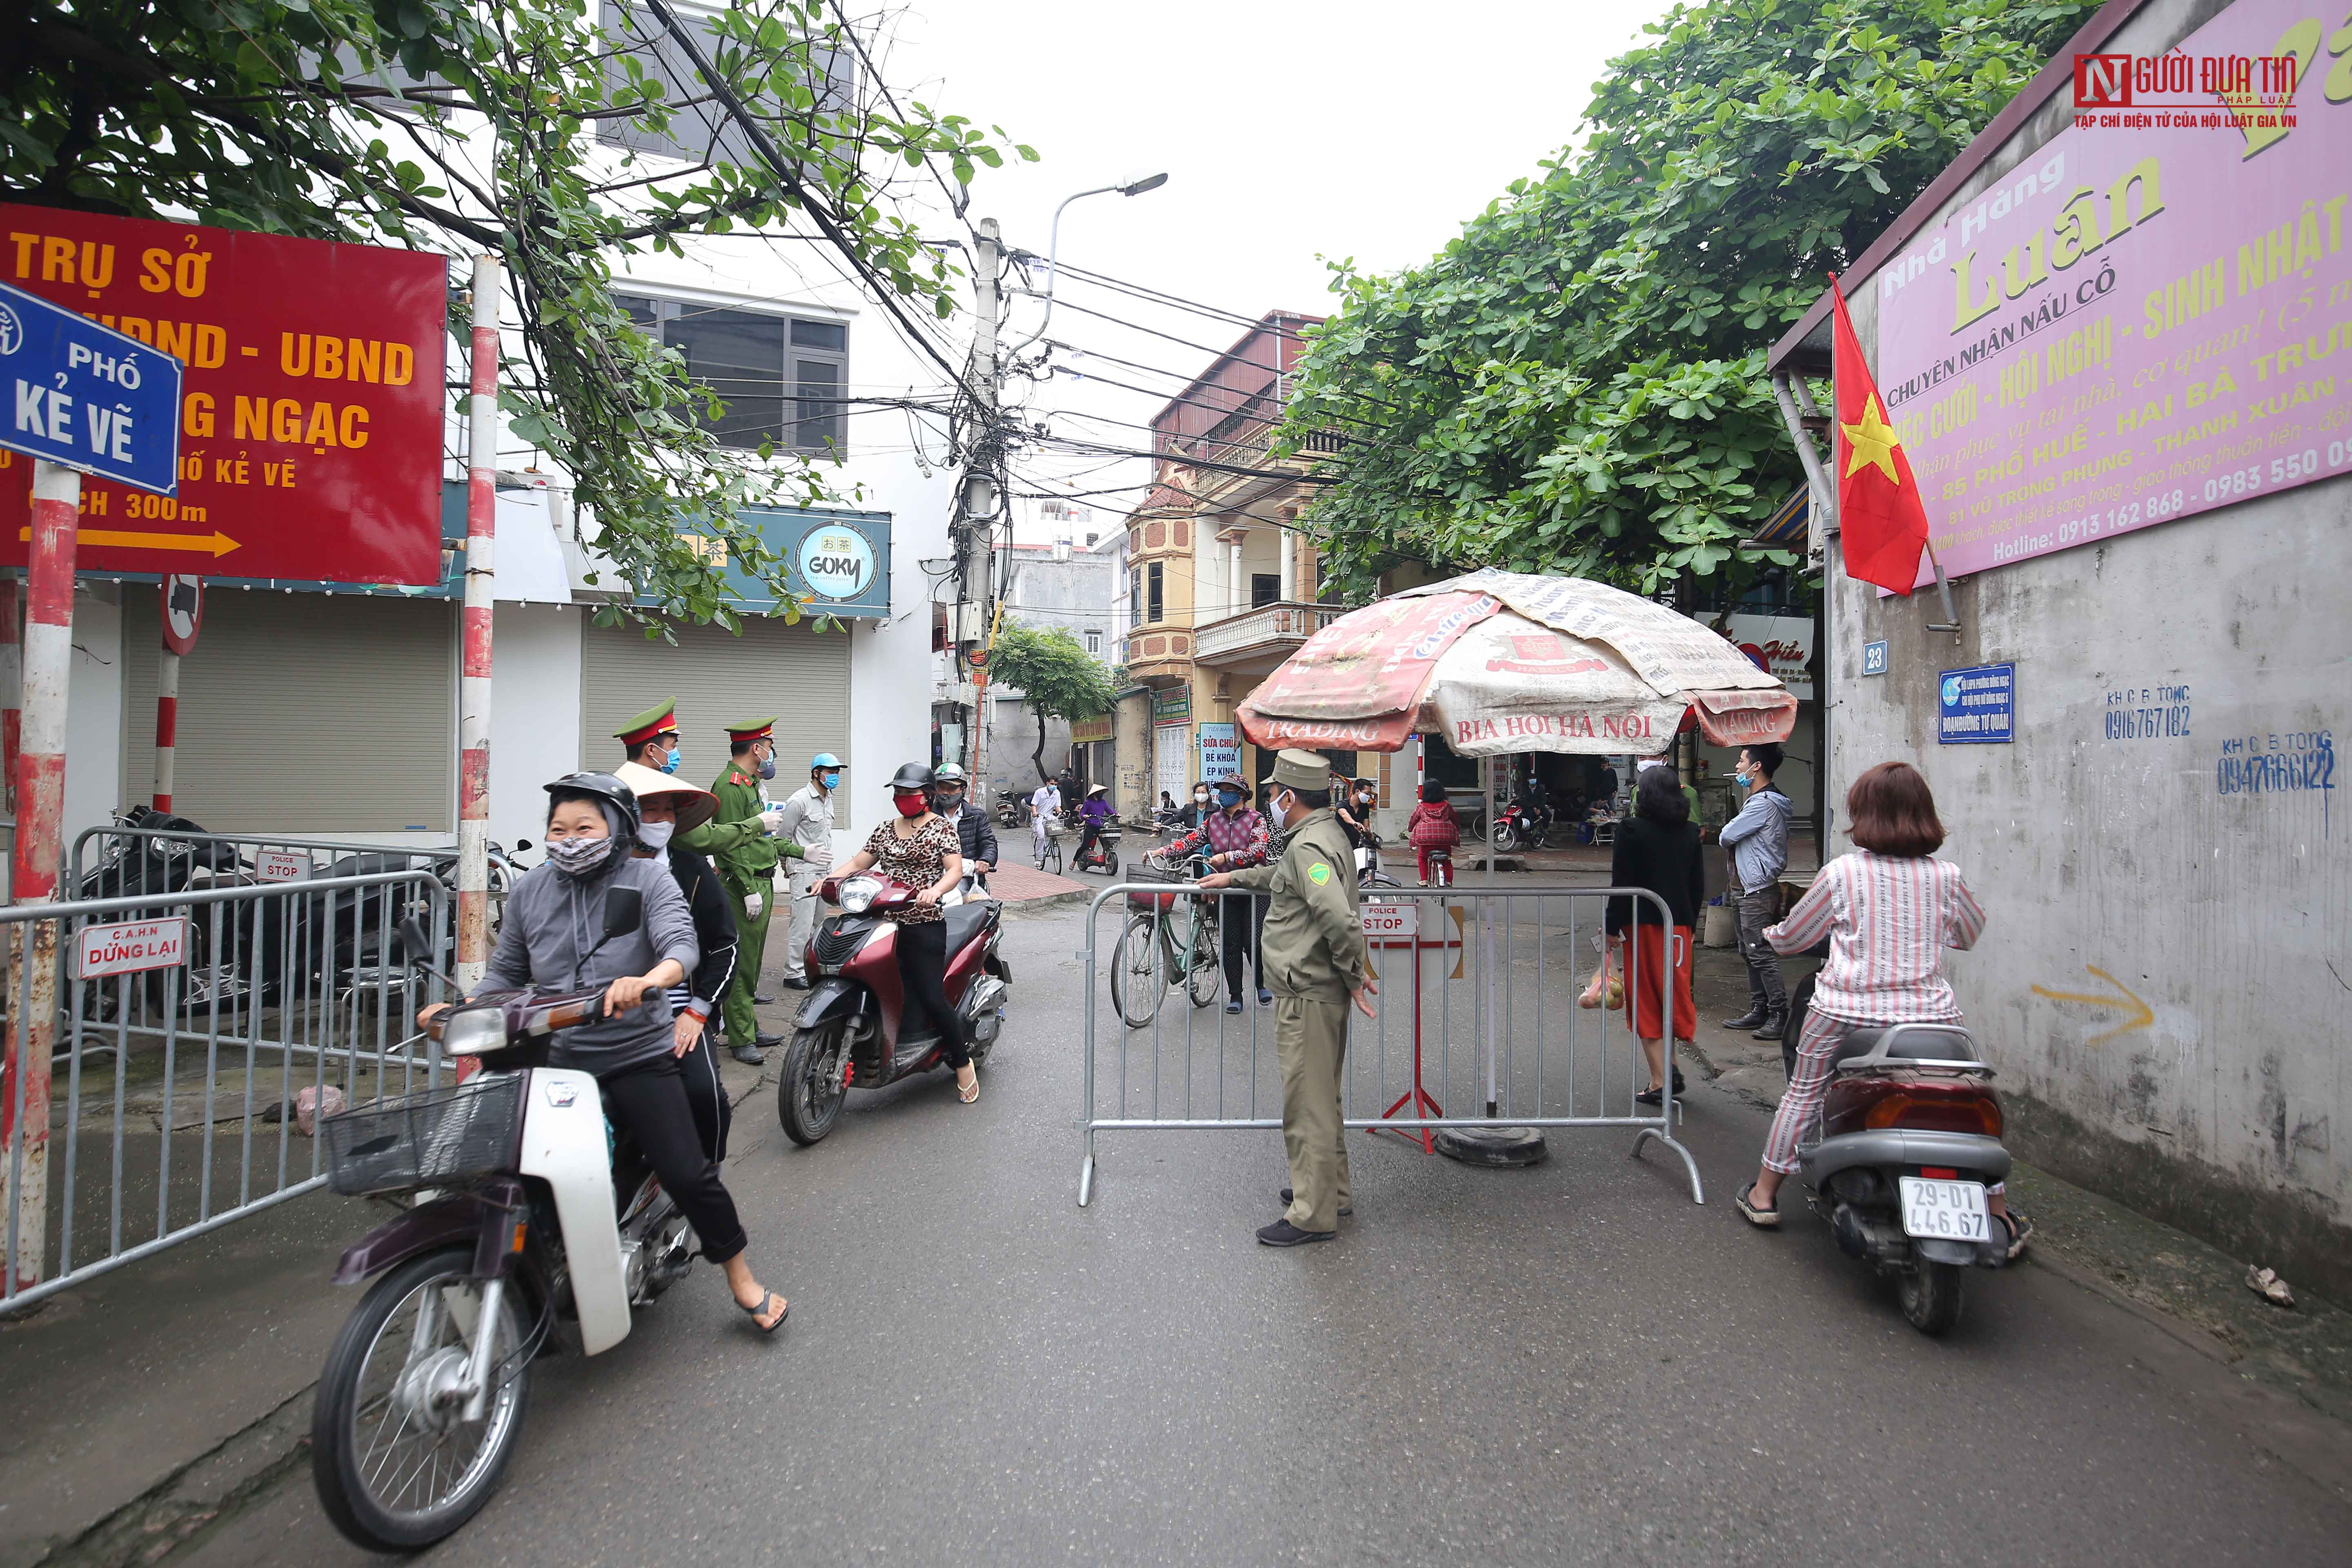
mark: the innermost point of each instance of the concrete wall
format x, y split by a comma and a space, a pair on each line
534, 714
2165, 971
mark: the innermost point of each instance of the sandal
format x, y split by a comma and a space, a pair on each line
2020, 1231
1761, 1218
970, 1096
767, 1299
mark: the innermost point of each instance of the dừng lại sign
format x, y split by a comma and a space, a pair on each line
2144, 320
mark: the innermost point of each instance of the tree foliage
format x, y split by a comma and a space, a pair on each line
1059, 679
289, 116
1576, 384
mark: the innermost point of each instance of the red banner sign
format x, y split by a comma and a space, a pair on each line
311, 409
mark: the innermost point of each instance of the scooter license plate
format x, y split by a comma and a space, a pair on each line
1947, 1211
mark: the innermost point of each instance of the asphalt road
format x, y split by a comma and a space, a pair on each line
1542, 1365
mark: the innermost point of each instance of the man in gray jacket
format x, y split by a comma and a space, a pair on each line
1759, 841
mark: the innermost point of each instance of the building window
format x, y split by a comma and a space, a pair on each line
1094, 642
781, 377
1151, 599
1135, 596
1266, 588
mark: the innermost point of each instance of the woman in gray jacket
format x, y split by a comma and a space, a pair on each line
552, 939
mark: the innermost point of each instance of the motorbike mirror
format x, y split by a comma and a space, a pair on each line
415, 945
521, 844
625, 910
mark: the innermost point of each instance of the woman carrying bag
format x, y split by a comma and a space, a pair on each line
1658, 850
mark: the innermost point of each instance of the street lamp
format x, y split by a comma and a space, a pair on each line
1133, 185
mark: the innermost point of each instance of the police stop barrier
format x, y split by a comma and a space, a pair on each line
1476, 1024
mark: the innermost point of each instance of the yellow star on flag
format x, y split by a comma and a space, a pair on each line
1871, 441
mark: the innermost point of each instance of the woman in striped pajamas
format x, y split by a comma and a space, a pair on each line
1888, 911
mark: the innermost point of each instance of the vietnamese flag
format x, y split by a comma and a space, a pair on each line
1882, 517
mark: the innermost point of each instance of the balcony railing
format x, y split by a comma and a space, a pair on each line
1269, 628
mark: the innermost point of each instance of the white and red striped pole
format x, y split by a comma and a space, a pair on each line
167, 725
474, 676
12, 678
40, 818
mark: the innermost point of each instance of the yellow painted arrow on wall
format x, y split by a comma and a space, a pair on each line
213, 545
2141, 1013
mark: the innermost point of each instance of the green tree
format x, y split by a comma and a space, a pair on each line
289, 117
1576, 384
1055, 677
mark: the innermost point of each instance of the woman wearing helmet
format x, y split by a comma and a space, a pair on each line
917, 847
552, 939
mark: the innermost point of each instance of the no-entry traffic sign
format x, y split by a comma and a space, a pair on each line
85, 397
310, 415
183, 611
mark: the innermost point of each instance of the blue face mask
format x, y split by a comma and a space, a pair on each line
670, 764
1744, 779
830, 781
768, 768
1229, 798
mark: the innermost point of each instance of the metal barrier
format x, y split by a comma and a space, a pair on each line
1478, 1007
267, 857
198, 1015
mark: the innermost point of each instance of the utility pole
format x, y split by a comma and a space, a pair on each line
474, 674
977, 505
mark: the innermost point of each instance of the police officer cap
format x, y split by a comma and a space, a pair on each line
661, 719
1301, 770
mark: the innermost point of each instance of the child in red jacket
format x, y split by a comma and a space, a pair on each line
1433, 826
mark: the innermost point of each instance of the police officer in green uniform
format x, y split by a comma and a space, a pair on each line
650, 739
1313, 954
747, 870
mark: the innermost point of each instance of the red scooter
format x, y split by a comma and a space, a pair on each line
847, 1032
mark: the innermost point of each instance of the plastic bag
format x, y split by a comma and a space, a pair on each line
1608, 985
310, 1103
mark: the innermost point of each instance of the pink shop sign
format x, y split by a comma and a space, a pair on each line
2147, 318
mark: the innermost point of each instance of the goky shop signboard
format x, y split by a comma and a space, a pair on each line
310, 409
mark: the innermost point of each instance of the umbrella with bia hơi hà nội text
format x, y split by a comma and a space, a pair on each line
1502, 662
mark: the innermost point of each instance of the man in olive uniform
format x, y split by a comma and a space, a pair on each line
747, 871
1313, 954
650, 739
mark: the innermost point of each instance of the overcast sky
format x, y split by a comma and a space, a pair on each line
1289, 132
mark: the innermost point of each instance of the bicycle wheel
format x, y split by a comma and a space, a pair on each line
1200, 955
1138, 980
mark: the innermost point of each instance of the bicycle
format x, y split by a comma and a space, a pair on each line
1050, 857
1167, 935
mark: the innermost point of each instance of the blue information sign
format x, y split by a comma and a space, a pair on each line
85, 396
1976, 706
1873, 658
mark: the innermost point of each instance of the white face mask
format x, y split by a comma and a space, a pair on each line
655, 835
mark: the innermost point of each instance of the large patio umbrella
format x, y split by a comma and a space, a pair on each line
1499, 662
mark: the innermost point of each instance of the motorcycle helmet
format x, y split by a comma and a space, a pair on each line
823, 761
950, 774
912, 777
607, 790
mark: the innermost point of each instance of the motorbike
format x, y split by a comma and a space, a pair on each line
1102, 855
847, 1030
508, 1249
1909, 1139
1517, 828
1011, 811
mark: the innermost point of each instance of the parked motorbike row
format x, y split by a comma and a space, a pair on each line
511, 1245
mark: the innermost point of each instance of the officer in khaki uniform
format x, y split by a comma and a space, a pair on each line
1314, 957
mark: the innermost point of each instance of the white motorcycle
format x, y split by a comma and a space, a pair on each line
506, 1247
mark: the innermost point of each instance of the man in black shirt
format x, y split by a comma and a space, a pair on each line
973, 830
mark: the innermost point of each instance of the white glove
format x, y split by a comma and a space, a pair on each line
752, 904
771, 821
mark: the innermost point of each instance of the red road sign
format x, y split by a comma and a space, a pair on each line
183, 611
310, 413
130, 947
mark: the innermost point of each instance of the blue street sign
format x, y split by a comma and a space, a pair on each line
1873, 658
85, 396
1976, 706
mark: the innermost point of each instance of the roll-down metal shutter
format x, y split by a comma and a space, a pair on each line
301, 713
795, 673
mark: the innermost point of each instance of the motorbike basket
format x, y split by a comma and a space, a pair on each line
443, 1137
1146, 873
